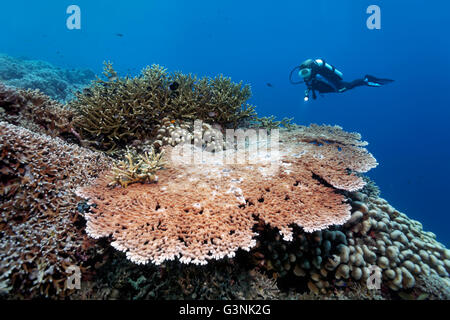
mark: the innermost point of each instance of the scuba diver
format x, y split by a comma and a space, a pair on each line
324, 78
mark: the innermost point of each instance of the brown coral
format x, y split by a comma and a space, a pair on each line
35, 111
38, 210
112, 113
207, 210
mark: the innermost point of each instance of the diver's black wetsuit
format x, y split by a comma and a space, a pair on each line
325, 78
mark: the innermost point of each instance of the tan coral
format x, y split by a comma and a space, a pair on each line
140, 168
206, 210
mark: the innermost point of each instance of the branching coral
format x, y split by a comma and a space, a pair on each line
141, 168
205, 210
38, 236
270, 123
116, 111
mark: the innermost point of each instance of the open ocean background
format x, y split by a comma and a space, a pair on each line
259, 42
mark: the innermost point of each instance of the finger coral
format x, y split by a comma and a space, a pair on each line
38, 210
206, 210
114, 111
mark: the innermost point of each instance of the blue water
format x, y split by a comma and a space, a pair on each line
258, 42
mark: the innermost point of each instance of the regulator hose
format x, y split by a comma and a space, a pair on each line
290, 76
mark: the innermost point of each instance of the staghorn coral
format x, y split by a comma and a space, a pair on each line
206, 210
39, 237
270, 123
113, 112
140, 168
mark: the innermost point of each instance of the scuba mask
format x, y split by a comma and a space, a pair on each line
305, 73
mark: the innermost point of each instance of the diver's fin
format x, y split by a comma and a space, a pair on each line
376, 82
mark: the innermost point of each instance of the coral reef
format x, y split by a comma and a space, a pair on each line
270, 123
175, 132
311, 226
137, 168
55, 82
39, 237
210, 137
226, 279
112, 113
201, 211
35, 111
377, 238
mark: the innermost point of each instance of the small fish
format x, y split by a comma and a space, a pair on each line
119, 34
212, 114
87, 92
174, 86
269, 85
340, 283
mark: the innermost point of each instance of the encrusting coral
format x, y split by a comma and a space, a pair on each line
201, 211
113, 112
38, 210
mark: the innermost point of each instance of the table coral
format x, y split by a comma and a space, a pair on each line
206, 210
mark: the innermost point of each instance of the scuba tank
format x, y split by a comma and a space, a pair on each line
329, 70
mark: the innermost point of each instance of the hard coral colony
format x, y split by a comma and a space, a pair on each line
302, 214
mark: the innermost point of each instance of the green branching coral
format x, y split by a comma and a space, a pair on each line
141, 168
115, 111
270, 123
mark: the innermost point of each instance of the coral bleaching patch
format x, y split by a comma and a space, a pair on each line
206, 210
